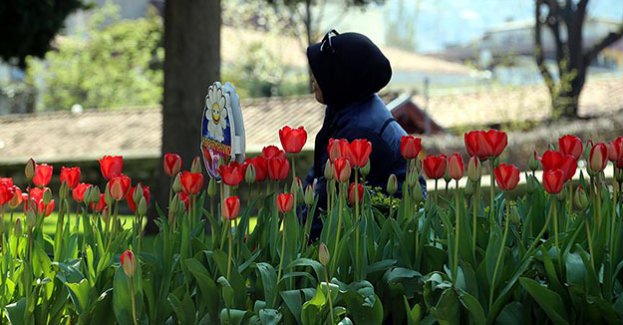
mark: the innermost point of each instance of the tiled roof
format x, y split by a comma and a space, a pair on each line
487, 106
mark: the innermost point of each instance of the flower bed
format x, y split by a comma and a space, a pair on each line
552, 255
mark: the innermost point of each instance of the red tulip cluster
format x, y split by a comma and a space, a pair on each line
130, 196
35, 196
356, 152
232, 174
7, 190
485, 144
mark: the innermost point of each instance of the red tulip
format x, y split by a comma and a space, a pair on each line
494, 143
434, 166
78, 192
598, 158
70, 176
43, 175
285, 202
615, 152
278, 168
35, 196
185, 199
119, 186
553, 180
506, 176
130, 197
231, 208
351, 193
410, 147
128, 263
6, 192
339, 148
231, 174
111, 166
45, 209
455, 166
261, 168
17, 197
269, 152
100, 205
471, 139
192, 183
172, 164
570, 145
292, 140
360, 150
341, 169
7, 181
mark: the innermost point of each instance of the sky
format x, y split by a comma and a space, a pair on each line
441, 22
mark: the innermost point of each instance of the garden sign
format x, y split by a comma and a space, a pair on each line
222, 130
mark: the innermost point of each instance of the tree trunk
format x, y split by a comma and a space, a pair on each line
192, 62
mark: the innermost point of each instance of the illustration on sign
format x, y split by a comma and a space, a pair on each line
222, 128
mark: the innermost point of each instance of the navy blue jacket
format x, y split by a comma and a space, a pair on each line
367, 119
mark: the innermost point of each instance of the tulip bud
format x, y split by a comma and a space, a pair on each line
323, 254
514, 215
212, 187
309, 195
365, 170
128, 263
533, 163
177, 183
446, 177
249, 175
469, 187
62, 191
392, 184
18, 231
107, 197
417, 192
297, 187
105, 214
142, 207
47, 196
138, 193
413, 177
533, 184
474, 169
87, 195
29, 171
195, 166
31, 217
94, 194
328, 170
580, 199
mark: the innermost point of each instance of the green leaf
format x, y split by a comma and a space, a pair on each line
447, 310
311, 312
512, 314
269, 281
234, 316
413, 314
548, 300
477, 313
16, 312
363, 304
576, 271
270, 316
80, 294
209, 290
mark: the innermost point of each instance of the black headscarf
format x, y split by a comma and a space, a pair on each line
348, 68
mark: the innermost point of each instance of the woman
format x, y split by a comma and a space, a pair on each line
348, 70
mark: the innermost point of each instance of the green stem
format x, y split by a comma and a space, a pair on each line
476, 198
492, 190
555, 212
500, 254
537, 238
436, 194
589, 238
614, 212
456, 233
326, 272
133, 299
357, 257
283, 247
229, 251
339, 228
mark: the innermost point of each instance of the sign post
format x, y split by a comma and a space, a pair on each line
222, 128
